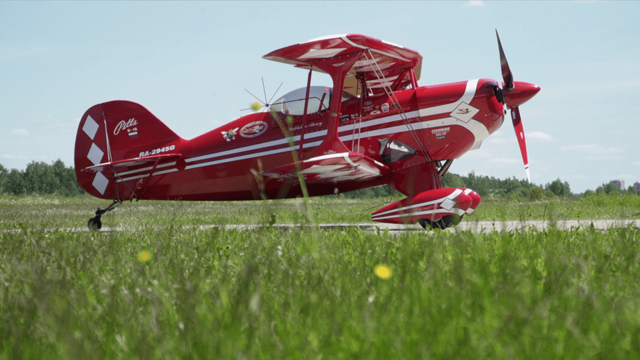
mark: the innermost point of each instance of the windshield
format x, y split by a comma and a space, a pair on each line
292, 103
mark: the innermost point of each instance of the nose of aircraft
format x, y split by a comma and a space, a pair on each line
520, 93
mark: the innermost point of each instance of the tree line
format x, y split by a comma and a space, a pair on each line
40, 178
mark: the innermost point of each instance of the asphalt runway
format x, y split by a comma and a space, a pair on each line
479, 226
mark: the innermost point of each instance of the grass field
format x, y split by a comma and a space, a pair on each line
59, 212
175, 292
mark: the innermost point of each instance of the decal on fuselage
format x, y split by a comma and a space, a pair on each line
229, 135
440, 133
124, 125
298, 127
253, 129
157, 151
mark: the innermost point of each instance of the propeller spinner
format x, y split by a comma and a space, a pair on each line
514, 94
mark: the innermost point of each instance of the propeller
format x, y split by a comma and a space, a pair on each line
266, 104
513, 94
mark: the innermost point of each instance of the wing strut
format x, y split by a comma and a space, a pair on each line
304, 117
361, 82
392, 96
337, 67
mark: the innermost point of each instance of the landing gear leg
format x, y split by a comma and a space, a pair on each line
95, 223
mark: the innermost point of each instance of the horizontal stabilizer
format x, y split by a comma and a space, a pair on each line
139, 170
122, 165
330, 169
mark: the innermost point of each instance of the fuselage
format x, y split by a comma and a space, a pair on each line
224, 164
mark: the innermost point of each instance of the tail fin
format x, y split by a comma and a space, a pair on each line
117, 130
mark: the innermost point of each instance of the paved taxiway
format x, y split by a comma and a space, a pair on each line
479, 226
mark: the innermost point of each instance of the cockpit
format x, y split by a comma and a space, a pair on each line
292, 103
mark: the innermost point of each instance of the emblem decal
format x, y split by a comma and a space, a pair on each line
230, 135
253, 129
124, 125
464, 112
384, 107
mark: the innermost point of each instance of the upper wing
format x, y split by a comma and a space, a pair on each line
382, 64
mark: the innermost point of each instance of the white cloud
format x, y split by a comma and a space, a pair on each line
536, 136
474, 3
479, 154
8, 156
503, 141
636, 163
503, 161
539, 136
593, 149
605, 157
576, 177
21, 132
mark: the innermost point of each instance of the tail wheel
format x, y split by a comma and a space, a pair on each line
94, 223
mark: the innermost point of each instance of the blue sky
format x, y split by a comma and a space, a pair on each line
189, 64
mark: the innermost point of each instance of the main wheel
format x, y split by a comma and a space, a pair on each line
94, 223
442, 223
428, 224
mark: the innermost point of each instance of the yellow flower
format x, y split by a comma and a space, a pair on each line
144, 256
383, 271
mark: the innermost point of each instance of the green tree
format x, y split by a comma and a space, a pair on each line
15, 183
607, 189
452, 181
537, 193
4, 173
40, 178
558, 188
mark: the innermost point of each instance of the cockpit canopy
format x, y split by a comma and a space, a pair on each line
292, 103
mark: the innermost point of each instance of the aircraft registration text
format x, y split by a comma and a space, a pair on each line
157, 151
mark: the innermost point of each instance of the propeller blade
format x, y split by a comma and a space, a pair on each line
517, 125
274, 94
255, 97
265, 91
507, 76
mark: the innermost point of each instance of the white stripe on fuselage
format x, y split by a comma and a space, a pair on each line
477, 128
456, 211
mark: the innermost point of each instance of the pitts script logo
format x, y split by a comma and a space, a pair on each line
253, 129
124, 125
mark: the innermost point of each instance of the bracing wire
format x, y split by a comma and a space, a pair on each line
391, 94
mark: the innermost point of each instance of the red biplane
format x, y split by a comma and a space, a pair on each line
374, 126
